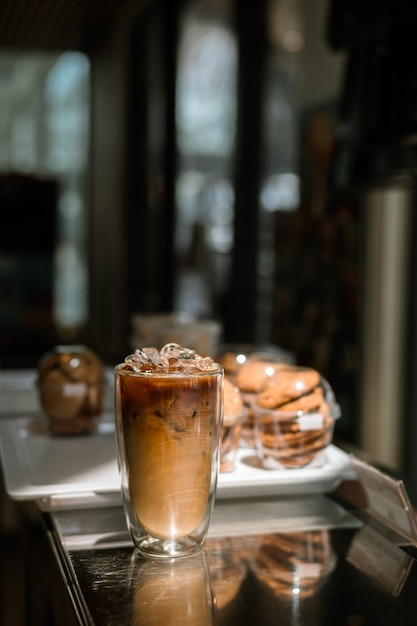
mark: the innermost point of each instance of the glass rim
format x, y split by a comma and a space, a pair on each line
123, 370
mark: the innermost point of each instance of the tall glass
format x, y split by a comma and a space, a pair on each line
168, 433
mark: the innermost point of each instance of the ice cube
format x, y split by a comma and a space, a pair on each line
172, 358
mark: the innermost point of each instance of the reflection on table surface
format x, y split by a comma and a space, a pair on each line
280, 578
175, 592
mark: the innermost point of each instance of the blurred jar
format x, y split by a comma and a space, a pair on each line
294, 418
71, 388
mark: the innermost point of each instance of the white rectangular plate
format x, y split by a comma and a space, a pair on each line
72, 471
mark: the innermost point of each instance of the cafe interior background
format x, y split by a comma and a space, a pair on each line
247, 162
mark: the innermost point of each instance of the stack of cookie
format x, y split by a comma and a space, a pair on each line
294, 416
290, 411
251, 378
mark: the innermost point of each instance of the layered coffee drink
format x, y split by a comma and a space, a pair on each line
169, 410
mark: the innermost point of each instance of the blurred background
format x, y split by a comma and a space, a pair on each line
248, 162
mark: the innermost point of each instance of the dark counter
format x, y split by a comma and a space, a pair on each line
296, 561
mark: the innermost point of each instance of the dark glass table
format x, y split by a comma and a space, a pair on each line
307, 560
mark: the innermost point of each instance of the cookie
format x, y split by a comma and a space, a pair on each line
287, 385
254, 374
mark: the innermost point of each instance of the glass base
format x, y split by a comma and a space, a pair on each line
167, 548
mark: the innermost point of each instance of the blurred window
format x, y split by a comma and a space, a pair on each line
44, 135
206, 115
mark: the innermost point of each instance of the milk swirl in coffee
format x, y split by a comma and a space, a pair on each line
169, 402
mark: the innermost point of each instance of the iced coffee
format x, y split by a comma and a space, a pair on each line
169, 418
